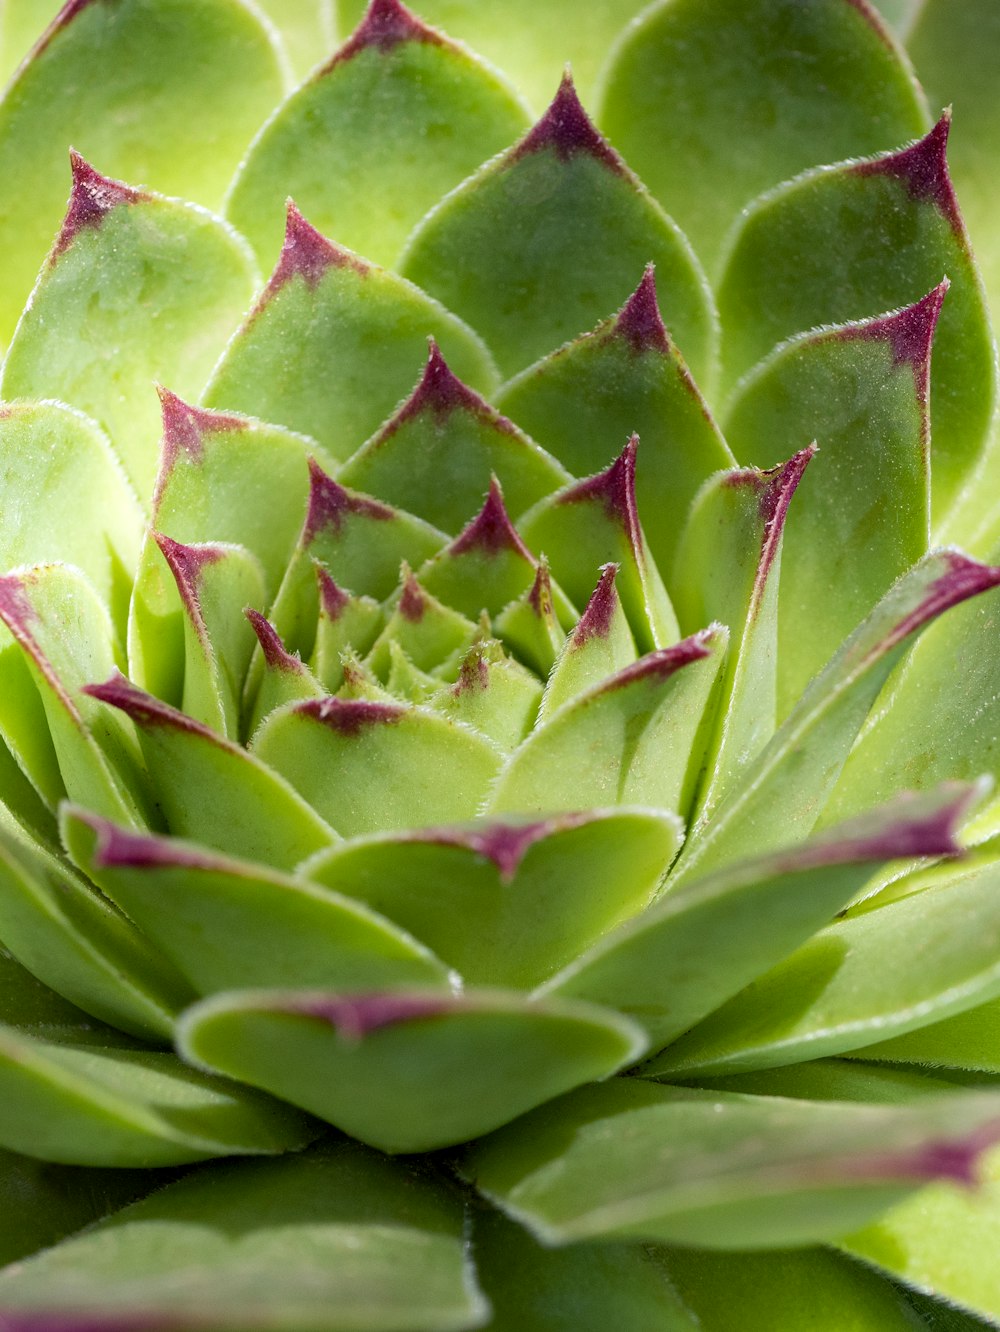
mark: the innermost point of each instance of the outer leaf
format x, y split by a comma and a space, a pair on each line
435, 456
151, 67
498, 250
337, 309
584, 399
336, 1240
856, 981
365, 766
193, 904
782, 792
741, 920
721, 1170
697, 68
351, 144
195, 278
213, 791
637, 738
867, 237
861, 516
402, 1070
506, 903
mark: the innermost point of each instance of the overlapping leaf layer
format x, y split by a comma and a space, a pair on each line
497, 757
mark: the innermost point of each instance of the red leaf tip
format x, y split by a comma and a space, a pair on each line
384, 26
413, 600
441, 392
491, 532
910, 334
144, 709
184, 426
276, 654
596, 620
567, 130
350, 716
306, 253
615, 489
330, 504
358, 1015
333, 600
91, 198
923, 169
639, 321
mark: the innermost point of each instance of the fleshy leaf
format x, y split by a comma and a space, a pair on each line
216, 55
494, 693
436, 454
359, 333
780, 795
193, 903
195, 277
507, 902
856, 982
64, 497
344, 621
285, 677
625, 377
721, 1170
870, 236
338, 1239
498, 251
860, 517
530, 625
636, 738
213, 791
731, 554
402, 1070
683, 76
743, 919
599, 646
367, 765
351, 144
428, 631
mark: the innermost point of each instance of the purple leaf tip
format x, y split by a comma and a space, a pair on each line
441, 392
145, 710
333, 600
615, 490
386, 24
910, 334
953, 1159
92, 197
923, 169
780, 484
358, 1015
330, 504
184, 426
16, 610
567, 130
664, 662
596, 620
639, 321
491, 532
413, 600
120, 847
963, 578
505, 844
540, 594
306, 253
187, 564
351, 716
474, 673
276, 654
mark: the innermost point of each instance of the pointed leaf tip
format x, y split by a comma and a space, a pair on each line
954, 1160
441, 392
357, 1016
923, 169
505, 844
350, 716
664, 662
91, 197
596, 620
16, 610
333, 599
144, 709
276, 654
413, 599
384, 26
185, 426
330, 504
615, 487
540, 594
491, 531
639, 321
567, 130
910, 334
780, 485
964, 578
307, 253
118, 847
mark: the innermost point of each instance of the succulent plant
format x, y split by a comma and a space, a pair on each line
496, 758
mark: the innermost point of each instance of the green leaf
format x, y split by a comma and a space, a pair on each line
429, 632
194, 903
856, 981
213, 791
625, 377
743, 919
359, 332
593, 522
351, 145
599, 646
636, 738
868, 237
684, 75
365, 766
498, 251
195, 277
508, 902
529, 625
128, 85
861, 515
731, 554
285, 677
494, 694
781, 794
435, 456
521, 36
64, 497
336, 1240
345, 621
720, 1170
403, 1069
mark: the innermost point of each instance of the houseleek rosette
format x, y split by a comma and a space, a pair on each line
459, 716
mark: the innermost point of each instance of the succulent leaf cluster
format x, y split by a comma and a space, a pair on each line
498, 673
